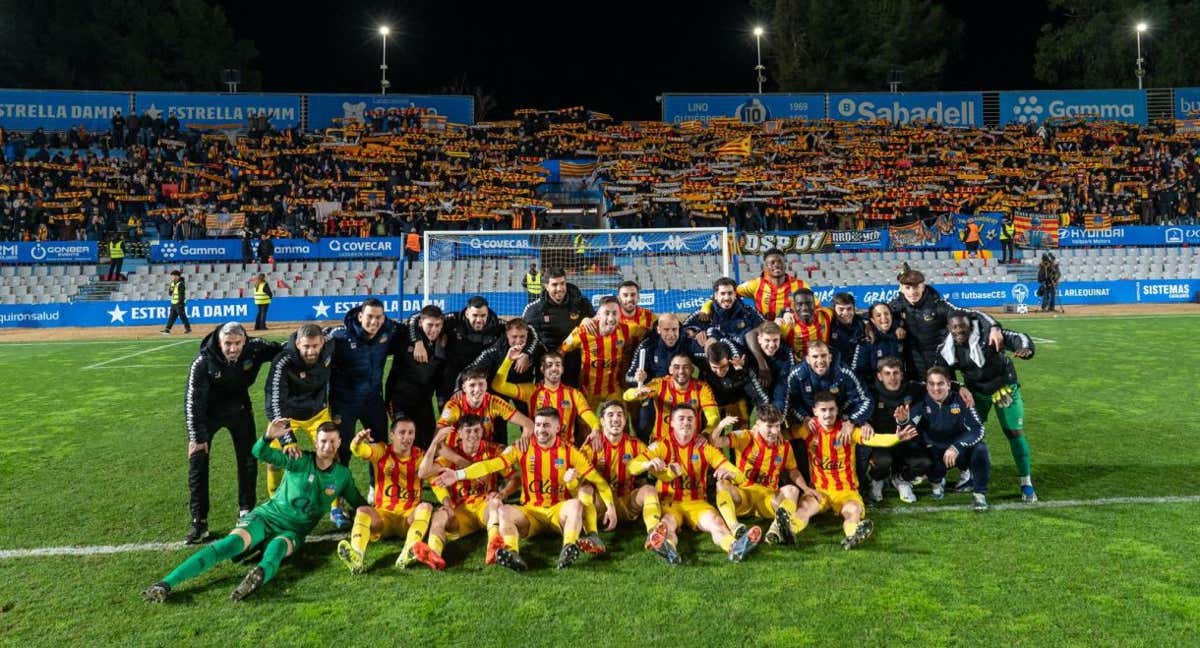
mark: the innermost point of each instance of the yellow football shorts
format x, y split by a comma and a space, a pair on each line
756, 499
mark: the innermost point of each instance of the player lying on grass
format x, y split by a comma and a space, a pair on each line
311, 481
683, 461
546, 502
763, 455
470, 505
611, 452
397, 507
831, 456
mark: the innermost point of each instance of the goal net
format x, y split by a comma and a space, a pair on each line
674, 268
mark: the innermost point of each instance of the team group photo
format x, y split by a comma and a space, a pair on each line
761, 323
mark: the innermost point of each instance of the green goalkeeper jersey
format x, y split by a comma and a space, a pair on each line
306, 493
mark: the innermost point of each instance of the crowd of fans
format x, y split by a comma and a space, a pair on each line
402, 170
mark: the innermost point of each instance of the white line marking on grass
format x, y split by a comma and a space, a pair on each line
157, 366
98, 550
138, 353
1041, 340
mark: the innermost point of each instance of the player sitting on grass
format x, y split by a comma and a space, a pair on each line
831, 459
763, 455
470, 505
397, 507
610, 452
684, 461
311, 481
546, 502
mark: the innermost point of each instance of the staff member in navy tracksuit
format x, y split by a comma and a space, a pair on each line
361, 346
953, 434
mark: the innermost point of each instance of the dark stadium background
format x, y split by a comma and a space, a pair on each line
609, 56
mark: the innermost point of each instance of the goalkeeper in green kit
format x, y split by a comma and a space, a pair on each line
992, 380
311, 481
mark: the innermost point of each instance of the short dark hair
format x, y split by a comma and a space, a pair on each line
770, 414
477, 301
628, 284
611, 403
911, 278
516, 323
550, 354
682, 406
548, 412
309, 330
473, 374
717, 353
772, 252
608, 299
941, 371
804, 290
958, 313
432, 311
555, 273
470, 420
176, 273
724, 281
843, 298
824, 397
891, 362
327, 426
871, 310
371, 302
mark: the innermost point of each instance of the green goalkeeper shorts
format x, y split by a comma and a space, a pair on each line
1012, 418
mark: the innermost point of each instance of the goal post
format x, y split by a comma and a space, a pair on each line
674, 268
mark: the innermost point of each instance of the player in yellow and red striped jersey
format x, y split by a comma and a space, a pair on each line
772, 290
550, 391
628, 295
545, 468
396, 507
470, 505
763, 454
805, 322
611, 450
678, 388
606, 353
475, 399
683, 461
832, 467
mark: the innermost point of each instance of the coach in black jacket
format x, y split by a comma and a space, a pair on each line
922, 311
218, 396
556, 314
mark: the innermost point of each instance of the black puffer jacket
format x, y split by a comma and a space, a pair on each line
554, 322
294, 389
218, 389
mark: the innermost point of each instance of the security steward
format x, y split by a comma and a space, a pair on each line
262, 299
178, 292
532, 283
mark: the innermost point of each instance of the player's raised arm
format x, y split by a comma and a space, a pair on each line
263, 451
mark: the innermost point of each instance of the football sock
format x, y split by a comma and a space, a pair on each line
589, 511
727, 508
360, 533
437, 544
512, 542
848, 528
726, 542
790, 506
205, 559
651, 511
570, 537
274, 554
416, 530
1020, 453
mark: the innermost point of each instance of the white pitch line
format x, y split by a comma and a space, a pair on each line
134, 355
1041, 340
157, 366
96, 550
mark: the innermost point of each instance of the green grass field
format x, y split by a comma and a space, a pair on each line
92, 452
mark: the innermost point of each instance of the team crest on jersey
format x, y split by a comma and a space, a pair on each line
217, 375
833, 390
560, 462
808, 388
303, 375
741, 325
778, 459
955, 410
695, 456
566, 404
620, 343
928, 317
574, 316
330, 490
626, 456
383, 338
312, 478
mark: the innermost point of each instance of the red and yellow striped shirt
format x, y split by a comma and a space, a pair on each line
762, 462
643, 317
604, 357
468, 491
696, 462
798, 335
769, 299
490, 407
613, 462
831, 463
570, 402
397, 486
666, 394
542, 471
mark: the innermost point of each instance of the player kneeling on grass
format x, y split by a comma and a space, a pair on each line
470, 505
311, 481
763, 455
397, 507
832, 464
546, 502
683, 461
611, 452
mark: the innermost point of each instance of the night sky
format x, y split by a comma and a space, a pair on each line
609, 56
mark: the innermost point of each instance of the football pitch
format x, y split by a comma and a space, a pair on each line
93, 458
